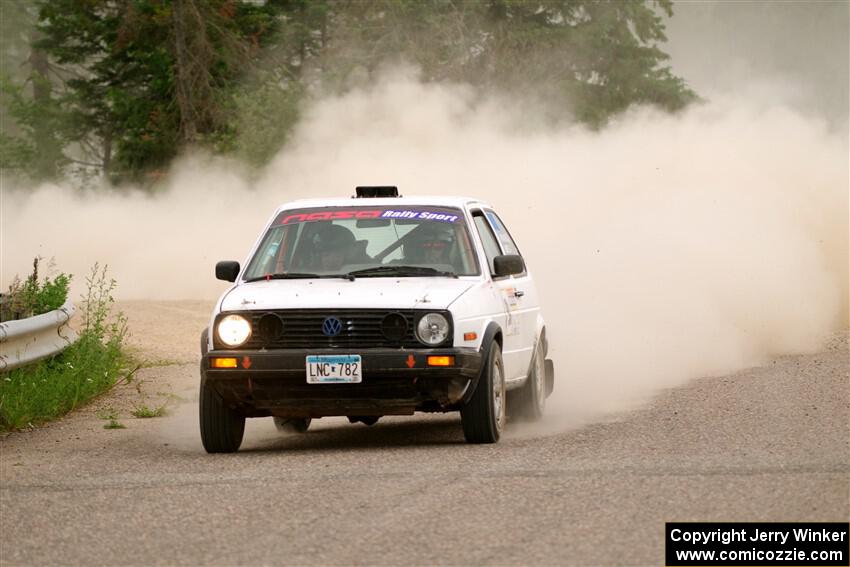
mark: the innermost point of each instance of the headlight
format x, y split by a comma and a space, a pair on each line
432, 329
234, 330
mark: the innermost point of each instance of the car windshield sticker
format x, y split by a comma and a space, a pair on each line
422, 214
288, 217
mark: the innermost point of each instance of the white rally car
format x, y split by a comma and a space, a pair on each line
374, 306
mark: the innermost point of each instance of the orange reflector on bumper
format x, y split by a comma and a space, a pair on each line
223, 363
441, 361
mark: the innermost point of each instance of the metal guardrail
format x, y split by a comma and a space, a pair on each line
28, 340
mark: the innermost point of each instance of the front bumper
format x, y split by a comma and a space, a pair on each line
394, 382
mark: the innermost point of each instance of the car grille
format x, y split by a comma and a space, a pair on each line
302, 328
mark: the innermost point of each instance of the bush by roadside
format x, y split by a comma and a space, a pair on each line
50, 388
29, 297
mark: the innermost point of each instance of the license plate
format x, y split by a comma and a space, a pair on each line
334, 369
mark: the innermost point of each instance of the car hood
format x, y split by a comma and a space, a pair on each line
366, 293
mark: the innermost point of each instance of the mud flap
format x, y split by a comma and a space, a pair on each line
550, 377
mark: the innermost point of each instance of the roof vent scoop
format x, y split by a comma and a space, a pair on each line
375, 191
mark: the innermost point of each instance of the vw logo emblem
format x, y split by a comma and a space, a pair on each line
331, 326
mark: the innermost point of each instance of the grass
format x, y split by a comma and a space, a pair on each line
143, 412
109, 413
51, 388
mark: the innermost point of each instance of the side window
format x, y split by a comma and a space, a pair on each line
491, 245
268, 254
508, 244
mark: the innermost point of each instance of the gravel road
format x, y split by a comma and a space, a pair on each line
769, 443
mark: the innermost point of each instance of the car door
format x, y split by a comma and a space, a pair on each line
517, 293
526, 303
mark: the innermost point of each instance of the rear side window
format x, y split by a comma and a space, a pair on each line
508, 244
491, 245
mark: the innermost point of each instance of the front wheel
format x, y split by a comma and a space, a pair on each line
483, 417
222, 427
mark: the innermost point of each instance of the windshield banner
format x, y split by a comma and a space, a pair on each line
409, 213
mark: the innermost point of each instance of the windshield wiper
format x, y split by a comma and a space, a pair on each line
401, 271
298, 276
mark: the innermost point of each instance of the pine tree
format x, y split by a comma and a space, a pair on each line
149, 77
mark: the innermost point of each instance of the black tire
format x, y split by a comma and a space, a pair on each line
292, 425
205, 335
531, 398
222, 427
483, 417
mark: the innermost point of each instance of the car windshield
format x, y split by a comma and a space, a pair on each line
366, 242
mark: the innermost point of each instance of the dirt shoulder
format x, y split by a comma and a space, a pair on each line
166, 331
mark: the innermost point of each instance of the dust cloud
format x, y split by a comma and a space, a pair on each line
666, 247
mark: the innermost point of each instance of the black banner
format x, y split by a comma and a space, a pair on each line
743, 544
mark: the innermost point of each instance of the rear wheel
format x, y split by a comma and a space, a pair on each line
483, 417
367, 419
531, 398
294, 425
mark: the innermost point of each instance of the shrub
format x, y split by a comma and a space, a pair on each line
29, 297
52, 387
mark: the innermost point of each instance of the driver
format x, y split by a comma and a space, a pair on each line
429, 245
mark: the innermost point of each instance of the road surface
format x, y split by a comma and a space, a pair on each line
768, 444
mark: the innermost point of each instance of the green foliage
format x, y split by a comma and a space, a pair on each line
31, 142
31, 297
17, 149
52, 387
131, 84
585, 59
111, 415
144, 412
266, 113
108, 413
124, 98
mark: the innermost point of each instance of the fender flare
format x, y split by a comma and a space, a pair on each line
490, 334
540, 331
548, 365
541, 339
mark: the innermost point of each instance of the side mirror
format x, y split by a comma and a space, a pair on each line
227, 270
508, 265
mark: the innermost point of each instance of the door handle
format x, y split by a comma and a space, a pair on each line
519, 293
